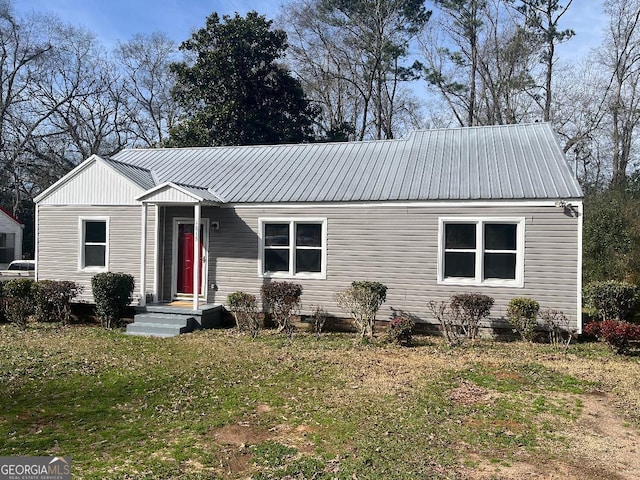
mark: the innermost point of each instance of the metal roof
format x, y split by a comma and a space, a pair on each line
472, 163
140, 176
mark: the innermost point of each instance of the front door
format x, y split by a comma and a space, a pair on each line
184, 257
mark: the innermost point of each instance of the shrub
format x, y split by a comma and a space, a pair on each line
522, 313
616, 333
449, 322
245, 310
19, 297
283, 301
53, 299
319, 317
401, 328
557, 325
361, 301
612, 300
112, 293
471, 308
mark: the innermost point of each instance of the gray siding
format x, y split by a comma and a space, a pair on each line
59, 243
396, 245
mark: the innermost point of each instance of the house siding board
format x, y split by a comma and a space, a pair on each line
397, 246
95, 185
59, 243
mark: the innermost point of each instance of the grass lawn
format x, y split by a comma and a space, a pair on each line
213, 404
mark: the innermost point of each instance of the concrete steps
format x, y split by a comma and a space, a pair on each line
165, 320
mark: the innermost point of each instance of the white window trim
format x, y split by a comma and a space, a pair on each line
81, 235
478, 280
292, 221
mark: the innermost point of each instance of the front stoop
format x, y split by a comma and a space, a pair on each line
165, 320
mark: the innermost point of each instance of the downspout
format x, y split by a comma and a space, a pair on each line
143, 256
196, 256
579, 279
36, 240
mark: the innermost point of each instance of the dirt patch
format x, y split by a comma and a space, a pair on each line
604, 441
603, 446
240, 435
468, 393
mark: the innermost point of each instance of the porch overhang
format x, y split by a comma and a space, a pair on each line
170, 193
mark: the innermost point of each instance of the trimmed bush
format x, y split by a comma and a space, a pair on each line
112, 293
244, 307
612, 300
19, 297
53, 299
522, 313
401, 330
616, 333
283, 301
362, 301
471, 308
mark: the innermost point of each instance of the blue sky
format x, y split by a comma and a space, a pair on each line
114, 20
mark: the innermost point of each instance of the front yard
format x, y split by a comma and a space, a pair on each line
213, 404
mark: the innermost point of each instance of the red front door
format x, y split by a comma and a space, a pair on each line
186, 259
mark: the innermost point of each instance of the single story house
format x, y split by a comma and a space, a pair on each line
10, 238
494, 210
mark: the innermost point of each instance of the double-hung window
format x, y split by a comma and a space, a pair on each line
293, 248
94, 251
481, 251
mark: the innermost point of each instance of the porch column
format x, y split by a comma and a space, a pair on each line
143, 256
197, 252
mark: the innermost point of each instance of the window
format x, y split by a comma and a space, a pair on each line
93, 249
293, 248
489, 251
7, 244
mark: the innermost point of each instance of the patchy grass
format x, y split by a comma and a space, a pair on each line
216, 405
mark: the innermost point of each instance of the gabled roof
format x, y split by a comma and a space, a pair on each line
137, 177
10, 216
474, 163
170, 192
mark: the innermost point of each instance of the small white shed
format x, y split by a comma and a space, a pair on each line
10, 238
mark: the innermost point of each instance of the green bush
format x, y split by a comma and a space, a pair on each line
471, 308
612, 300
522, 314
19, 298
362, 301
283, 301
53, 300
112, 293
244, 307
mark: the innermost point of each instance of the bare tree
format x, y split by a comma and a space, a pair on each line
349, 56
621, 57
25, 48
144, 61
